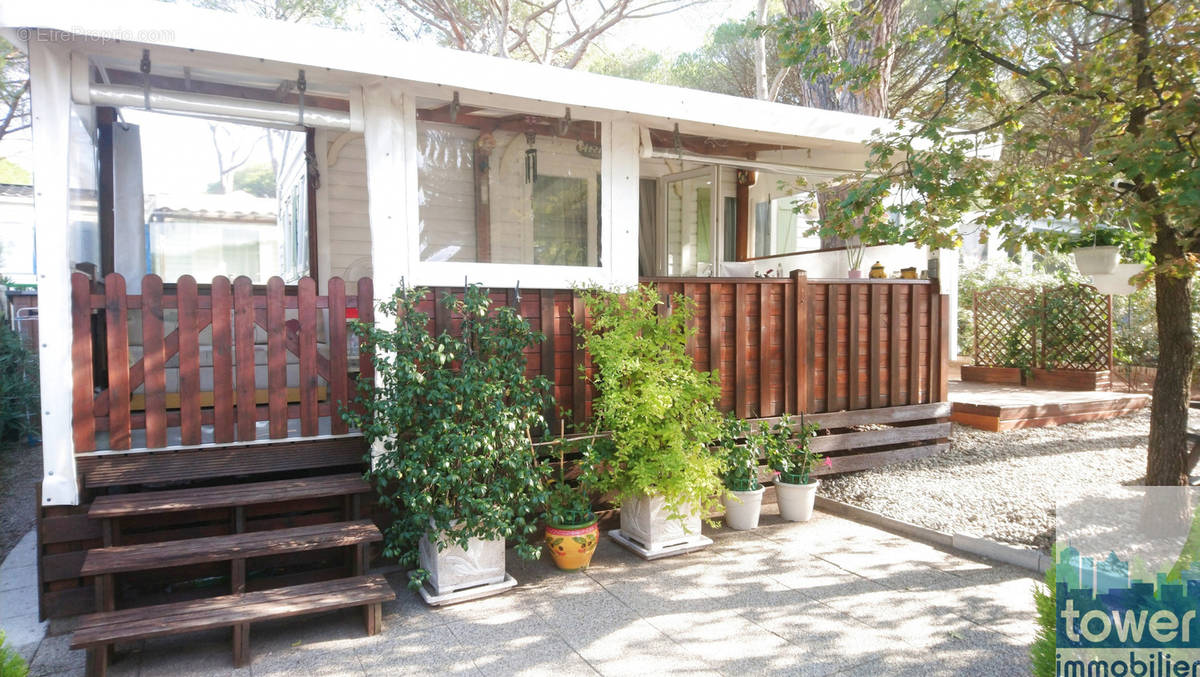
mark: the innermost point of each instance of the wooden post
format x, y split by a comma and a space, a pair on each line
339, 385
943, 381
894, 344
789, 348
803, 363
914, 344
277, 359
306, 301
186, 296
874, 343
83, 419
715, 324
578, 367
548, 367
853, 366
222, 350
741, 336
764, 350
831, 350
117, 326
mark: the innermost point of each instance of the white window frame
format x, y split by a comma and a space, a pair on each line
617, 240
716, 210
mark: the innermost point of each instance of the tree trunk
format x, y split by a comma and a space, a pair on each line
761, 89
1166, 459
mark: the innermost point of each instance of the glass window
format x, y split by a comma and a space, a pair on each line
781, 215
511, 189
237, 206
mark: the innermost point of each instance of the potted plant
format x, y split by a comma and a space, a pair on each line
743, 492
790, 456
572, 532
448, 420
660, 414
854, 258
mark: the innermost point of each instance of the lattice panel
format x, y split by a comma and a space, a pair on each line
1004, 335
1076, 329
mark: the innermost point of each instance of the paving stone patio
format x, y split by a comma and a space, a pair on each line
827, 597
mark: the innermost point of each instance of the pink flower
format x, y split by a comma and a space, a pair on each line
828, 462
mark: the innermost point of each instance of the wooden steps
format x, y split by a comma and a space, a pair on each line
228, 610
180, 500
274, 594
97, 632
119, 559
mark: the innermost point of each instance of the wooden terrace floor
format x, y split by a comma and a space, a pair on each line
1005, 407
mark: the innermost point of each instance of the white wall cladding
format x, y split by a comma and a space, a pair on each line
345, 185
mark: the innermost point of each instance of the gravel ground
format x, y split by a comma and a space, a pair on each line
1003, 486
20, 468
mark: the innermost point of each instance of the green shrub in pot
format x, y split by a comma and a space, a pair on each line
658, 408
450, 419
790, 455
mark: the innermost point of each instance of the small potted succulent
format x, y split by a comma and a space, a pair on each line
793, 460
572, 532
743, 492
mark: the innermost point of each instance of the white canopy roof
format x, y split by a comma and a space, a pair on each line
278, 48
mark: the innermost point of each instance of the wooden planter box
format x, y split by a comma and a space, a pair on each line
1000, 375
1070, 379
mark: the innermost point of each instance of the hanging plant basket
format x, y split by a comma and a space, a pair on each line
1117, 283
1097, 260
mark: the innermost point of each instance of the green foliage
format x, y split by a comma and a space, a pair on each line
11, 172
659, 409
1043, 648
740, 456
11, 663
452, 416
1050, 270
18, 386
258, 180
786, 447
570, 504
1089, 111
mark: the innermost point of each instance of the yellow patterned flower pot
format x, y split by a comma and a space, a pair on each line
571, 545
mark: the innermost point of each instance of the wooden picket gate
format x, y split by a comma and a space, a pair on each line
115, 396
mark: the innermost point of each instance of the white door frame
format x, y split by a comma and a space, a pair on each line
660, 239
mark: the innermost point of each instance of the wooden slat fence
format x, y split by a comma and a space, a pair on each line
224, 319
771, 340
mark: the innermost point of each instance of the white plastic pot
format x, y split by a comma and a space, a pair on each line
1097, 260
647, 520
742, 508
796, 501
1117, 283
481, 563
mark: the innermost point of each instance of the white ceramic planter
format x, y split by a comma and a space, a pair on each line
796, 501
647, 520
481, 563
742, 508
1097, 260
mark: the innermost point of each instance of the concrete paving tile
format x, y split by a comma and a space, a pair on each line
319, 644
198, 653
415, 650
632, 647
726, 641
514, 644
918, 618
55, 657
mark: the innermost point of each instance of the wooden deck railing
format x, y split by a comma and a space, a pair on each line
780, 346
115, 395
